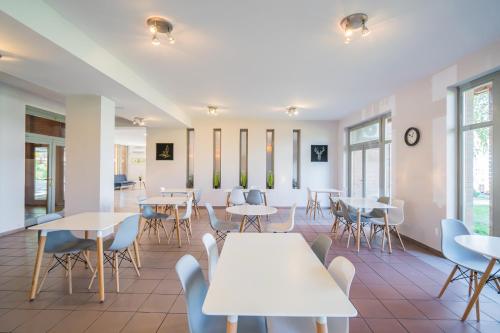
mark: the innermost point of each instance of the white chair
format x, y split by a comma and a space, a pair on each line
212, 254
283, 226
395, 218
312, 204
184, 222
342, 271
162, 191
236, 198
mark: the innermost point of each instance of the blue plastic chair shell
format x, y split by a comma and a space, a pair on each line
126, 234
254, 197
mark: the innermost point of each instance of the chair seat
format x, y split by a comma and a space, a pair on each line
475, 262
163, 216
301, 325
72, 247
277, 227
228, 226
380, 221
105, 244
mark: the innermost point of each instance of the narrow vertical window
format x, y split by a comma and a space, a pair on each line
296, 160
244, 158
270, 158
190, 158
216, 179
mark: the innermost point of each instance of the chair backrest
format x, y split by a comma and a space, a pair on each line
212, 253
55, 239
342, 271
450, 228
214, 221
321, 246
189, 209
336, 211
47, 218
195, 290
126, 234
291, 217
345, 212
148, 212
237, 197
309, 194
396, 215
197, 196
254, 197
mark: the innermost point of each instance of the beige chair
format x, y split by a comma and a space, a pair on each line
395, 218
286, 226
312, 204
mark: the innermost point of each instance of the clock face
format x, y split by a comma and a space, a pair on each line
412, 136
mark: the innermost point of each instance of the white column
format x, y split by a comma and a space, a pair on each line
90, 124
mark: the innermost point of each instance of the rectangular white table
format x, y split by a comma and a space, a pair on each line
100, 222
169, 201
273, 275
360, 204
316, 191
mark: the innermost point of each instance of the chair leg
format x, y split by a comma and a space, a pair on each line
366, 238
88, 264
157, 230
497, 284
400, 239
471, 276
70, 280
448, 280
117, 270
45, 275
133, 262
164, 229
478, 312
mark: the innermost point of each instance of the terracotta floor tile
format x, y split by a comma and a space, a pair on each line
174, 323
403, 309
127, 302
144, 322
434, 310
371, 308
385, 326
455, 326
110, 322
77, 321
158, 303
42, 321
14, 318
420, 326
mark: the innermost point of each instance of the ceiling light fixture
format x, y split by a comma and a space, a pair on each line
292, 111
354, 22
137, 121
159, 25
212, 110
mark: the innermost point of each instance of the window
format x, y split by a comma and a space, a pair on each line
244, 158
369, 158
216, 178
190, 158
477, 126
296, 159
121, 158
270, 158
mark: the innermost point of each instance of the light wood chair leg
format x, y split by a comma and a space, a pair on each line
45, 274
478, 312
70, 280
38, 264
137, 254
477, 292
471, 276
117, 270
88, 264
448, 280
400, 239
134, 263
259, 224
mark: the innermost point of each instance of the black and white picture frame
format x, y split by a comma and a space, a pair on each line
164, 151
319, 153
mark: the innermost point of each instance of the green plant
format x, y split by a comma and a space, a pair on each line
270, 180
243, 180
190, 182
216, 180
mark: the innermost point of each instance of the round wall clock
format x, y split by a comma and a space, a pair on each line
412, 136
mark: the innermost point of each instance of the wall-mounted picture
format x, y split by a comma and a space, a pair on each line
319, 153
164, 151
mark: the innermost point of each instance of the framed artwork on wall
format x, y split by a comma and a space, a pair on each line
164, 151
319, 153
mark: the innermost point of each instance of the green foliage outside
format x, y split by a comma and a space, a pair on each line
216, 180
481, 219
270, 180
243, 180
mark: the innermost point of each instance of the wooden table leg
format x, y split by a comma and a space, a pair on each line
178, 226
136, 253
482, 282
232, 324
265, 203
100, 266
321, 325
315, 204
87, 253
386, 226
243, 222
358, 228
38, 265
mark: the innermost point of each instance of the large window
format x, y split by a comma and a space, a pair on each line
369, 158
477, 128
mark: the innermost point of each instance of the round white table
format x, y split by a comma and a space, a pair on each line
251, 214
488, 246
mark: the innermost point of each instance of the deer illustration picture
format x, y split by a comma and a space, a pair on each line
319, 152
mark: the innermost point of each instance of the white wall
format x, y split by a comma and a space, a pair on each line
13, 103
135, 169
173, 173
422, 174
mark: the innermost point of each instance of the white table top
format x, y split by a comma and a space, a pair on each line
273, 275
246, 190
91, 221
162, 201
485, 245
364, 203
179, 190
251, 210
326, 190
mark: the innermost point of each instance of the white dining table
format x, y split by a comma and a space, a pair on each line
360, 204
251, 213
99, 222
178, 190
168, 201
316, 191
273, 275
488, 246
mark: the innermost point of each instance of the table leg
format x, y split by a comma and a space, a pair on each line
482, 282
136, 253
232, 324
38, 265
358, 228
243, 222
178, 226
100, 266
227, 205
87, 253
386, 226
265, 203
315, 204
321, 325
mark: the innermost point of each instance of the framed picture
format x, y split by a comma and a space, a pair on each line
319, 153
164, 151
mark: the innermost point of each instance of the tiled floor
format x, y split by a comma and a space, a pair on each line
393, 293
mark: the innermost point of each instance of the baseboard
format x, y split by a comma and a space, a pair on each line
420, 244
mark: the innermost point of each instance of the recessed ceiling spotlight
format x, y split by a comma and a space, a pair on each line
354, 22
292, 111
212, 110
159, 25
137, 121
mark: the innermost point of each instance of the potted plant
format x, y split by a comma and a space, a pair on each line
243, 180
270, 180
216, 180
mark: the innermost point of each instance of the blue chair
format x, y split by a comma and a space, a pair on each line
196, 201
66, 250
468, 263
221, 228
254, 197
321, 246
116, 249
195, 290
351, 225
338, 214
153, 221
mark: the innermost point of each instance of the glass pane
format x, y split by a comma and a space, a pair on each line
36, 179
296, 160
367, 133
477, 104
244, 158
387, 170
270, 159
190, 158
217, 159
59, 180
357, 173
388, 129
477, 179
372, 173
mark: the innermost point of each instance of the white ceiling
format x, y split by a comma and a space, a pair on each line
254, 58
